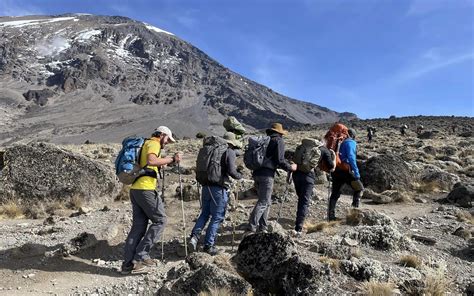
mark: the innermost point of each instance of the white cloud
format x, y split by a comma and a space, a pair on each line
52, 46
13, 8
419, 69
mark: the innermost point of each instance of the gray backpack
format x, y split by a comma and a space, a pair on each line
255, 153
208, 163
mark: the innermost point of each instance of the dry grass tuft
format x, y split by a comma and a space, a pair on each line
224, 262
334, 264
428, 187
321, 226
220, 292
377, 289
11, 209
75, 202
436, 283
35, 210
56, 205
356, 252
353, 217
124, 193
465, 216
410, 261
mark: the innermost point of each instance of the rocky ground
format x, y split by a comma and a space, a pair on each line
408, 238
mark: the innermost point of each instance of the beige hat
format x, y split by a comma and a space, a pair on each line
278, 127
165, 130
230, 138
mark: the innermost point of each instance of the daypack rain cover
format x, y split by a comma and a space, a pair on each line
307, 155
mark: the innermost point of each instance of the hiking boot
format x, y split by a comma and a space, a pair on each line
192, 244
355, 203
211, 250
139, 267
126, 268
149, 262
296, 233
247, 233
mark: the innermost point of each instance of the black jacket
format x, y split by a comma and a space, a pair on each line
229, 169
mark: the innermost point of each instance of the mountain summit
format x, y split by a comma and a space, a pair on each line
78, 77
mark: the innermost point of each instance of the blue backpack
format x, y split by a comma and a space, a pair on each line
127, 163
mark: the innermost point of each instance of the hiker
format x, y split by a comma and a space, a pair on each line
146, 205
370, 134
348, 173
306, 158
403, 129
214, 198
264, 177
419, 129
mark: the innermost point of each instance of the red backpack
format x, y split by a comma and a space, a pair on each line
333, 138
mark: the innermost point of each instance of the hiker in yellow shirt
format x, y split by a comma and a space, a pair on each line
146, 204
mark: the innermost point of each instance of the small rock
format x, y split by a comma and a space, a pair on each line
349, 242
420, 200
105, 209
423, 239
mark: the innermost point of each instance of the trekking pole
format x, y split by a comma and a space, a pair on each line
163, 200
329, 193
236, 198
182, 209
199, 194
285, 195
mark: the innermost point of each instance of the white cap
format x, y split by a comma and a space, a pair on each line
165, 130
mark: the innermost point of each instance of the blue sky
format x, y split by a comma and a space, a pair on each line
373, 58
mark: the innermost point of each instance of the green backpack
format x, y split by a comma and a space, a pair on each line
307, 155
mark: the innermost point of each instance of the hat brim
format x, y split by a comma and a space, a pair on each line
282, 132
235, 143
172, 140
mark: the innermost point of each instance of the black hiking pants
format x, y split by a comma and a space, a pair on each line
339, 178
304, 183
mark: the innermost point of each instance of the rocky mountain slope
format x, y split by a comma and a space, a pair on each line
72, 78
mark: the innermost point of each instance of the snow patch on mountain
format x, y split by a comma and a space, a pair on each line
158, 30
24, 23
84, 36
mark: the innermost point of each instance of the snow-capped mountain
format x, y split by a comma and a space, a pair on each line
77, 77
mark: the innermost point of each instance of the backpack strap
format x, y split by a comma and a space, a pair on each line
147, 172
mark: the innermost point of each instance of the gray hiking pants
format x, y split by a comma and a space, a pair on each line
146, 205
259, 216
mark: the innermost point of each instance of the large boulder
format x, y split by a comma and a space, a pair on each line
259, 255
206, 278
380, 237
365, 269
462, 195
435, 178
386, 172
270, 262
44, 172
